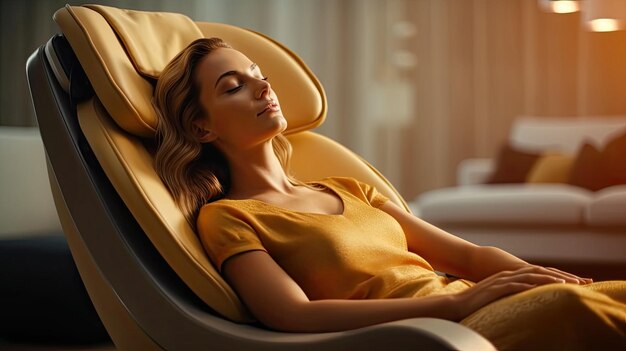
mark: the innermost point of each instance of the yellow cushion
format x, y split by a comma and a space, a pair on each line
551, 168
143, 34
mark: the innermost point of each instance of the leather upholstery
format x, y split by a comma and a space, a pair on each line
122, 111
126, 92
142, 34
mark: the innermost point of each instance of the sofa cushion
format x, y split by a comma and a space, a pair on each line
608, 207
534, 204
584, 171
597, 169
512, 165
614, 160
551, 168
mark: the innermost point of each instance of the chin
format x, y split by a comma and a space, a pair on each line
283, 124
280, 123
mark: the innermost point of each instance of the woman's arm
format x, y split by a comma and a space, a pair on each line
279, 303
453, 255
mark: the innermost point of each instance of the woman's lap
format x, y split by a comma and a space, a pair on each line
564, 316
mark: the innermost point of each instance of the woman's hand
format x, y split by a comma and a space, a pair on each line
511, 282
568, 277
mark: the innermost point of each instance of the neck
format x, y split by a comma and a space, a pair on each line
256, 171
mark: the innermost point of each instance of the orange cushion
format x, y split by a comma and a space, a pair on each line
551, 168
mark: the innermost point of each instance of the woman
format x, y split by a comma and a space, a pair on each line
335, 254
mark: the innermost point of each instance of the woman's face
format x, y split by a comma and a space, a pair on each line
243, 110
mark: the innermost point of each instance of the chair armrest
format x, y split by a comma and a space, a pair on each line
474, 171
433, 334
408, 334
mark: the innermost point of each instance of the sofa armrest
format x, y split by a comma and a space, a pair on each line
474, 170
28, 208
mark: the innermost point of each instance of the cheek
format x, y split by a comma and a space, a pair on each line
225, 120
232, 108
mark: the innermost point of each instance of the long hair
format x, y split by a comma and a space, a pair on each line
195, 173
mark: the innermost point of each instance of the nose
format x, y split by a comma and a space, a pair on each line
264, 89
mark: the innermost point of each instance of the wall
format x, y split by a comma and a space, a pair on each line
482, 63
469, 69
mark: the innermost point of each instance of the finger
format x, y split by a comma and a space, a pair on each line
514, 273
534, 278
567, 277
580, 280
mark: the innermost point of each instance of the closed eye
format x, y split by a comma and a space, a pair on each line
234, 90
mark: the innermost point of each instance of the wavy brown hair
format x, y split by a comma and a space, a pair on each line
195, 173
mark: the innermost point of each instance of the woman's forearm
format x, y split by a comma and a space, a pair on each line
486, 261
278, 301
337, 315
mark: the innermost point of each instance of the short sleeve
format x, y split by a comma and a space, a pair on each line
226, 231
372, 195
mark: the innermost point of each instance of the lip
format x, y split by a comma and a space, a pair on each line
270, 106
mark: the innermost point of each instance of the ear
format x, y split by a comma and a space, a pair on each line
202, 131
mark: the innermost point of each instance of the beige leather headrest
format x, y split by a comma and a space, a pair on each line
123, 51
151, 45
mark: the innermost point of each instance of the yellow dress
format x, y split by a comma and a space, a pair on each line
362, 254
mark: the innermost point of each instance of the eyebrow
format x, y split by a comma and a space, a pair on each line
231, 73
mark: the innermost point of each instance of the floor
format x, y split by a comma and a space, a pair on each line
26, 347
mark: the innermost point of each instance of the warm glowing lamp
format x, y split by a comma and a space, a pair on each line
559, 6
604, 15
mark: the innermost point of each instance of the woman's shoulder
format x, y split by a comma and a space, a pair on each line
230, 214
223, 209
229, 205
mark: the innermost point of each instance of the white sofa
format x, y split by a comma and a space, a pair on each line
538, 222
27, 208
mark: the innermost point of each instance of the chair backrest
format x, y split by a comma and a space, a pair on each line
122, 52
